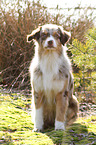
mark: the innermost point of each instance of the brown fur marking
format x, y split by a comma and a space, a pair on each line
38, 98
61, 107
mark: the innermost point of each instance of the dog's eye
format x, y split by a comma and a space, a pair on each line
44, 35
56, 35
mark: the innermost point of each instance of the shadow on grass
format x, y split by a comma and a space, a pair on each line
16, 127
74, 135
77, 134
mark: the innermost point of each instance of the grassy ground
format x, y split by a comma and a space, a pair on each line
16, 126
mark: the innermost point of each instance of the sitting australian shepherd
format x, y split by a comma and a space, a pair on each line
51, 79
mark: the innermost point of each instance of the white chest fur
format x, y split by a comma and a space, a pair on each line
49, 65
49, 80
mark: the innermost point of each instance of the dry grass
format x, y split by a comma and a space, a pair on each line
15, 52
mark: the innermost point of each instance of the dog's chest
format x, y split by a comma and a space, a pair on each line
49, 80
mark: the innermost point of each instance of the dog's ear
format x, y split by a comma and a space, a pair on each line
34, 35
64, 35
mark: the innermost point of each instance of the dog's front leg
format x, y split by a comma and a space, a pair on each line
38, 112
61, 110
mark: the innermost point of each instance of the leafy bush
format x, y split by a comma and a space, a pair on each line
84, 57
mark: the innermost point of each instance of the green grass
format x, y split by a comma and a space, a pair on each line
16, 126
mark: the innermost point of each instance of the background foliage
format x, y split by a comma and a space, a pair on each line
19, 18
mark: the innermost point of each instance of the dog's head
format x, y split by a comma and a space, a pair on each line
50, 36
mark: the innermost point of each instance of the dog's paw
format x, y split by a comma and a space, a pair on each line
59, 125
37, 130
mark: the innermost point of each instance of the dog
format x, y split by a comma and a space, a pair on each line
51, 79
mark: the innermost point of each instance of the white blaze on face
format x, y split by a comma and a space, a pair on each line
51, 38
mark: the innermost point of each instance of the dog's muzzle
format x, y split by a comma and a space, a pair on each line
50, 42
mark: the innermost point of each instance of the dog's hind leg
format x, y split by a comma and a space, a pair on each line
73, 110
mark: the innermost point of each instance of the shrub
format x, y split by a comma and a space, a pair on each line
18, 20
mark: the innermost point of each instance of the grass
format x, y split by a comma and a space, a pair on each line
16, 126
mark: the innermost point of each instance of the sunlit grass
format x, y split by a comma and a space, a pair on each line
16, 126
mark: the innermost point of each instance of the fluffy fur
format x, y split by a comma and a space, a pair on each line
51, 79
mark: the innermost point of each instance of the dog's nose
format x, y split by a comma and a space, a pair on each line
50, 43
